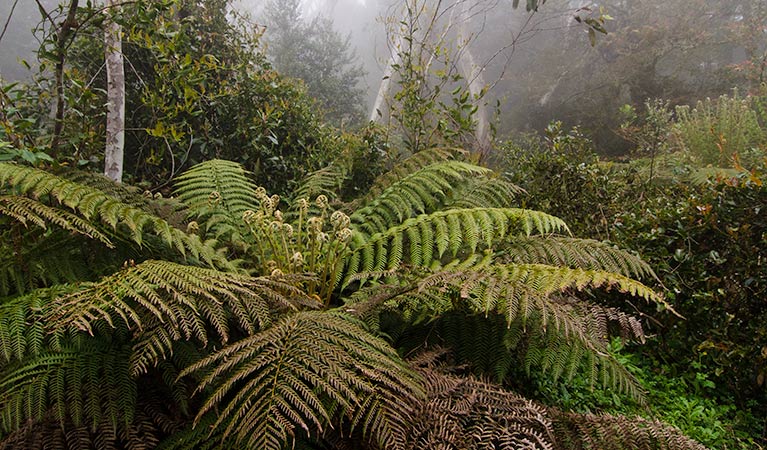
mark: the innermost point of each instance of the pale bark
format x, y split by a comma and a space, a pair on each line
380, 109
115, 127
475, 80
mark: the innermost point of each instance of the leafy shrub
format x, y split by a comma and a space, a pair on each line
722, 132
706, 241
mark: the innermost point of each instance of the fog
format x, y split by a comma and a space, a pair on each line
536, 66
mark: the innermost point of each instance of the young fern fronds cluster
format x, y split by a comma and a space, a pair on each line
312, 243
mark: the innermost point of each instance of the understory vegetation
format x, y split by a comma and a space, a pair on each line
264, 280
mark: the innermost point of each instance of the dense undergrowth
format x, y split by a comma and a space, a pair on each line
703, 227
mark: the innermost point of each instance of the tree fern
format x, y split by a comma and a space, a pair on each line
299, 345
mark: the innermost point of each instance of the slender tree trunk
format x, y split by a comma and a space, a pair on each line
115, 127
62, 38
380, 109
476, 83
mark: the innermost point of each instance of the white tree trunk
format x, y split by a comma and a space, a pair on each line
476, 83
380, 108
115, 127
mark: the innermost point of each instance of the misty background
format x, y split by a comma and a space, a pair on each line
537, 67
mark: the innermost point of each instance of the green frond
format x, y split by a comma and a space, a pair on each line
123, 192
549, 332
84, 383
420, 192
575, 253
217, 192
30, 211
431, 236
163, 302
23, 324
516, 289
326, 181
296, 375
47, 258
150, 420
409, 166
94, 206
198, 437
479, 192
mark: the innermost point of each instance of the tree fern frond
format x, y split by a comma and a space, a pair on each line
162, 302
23, 324
26, 210
485, 192
516, 289
417, 193
122, 192
142, 433
283, 378
448, 230
326, 181
590, 431
218, 191
461, 411
94, 205
575, 253
85, 383
410, 165
47, 258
